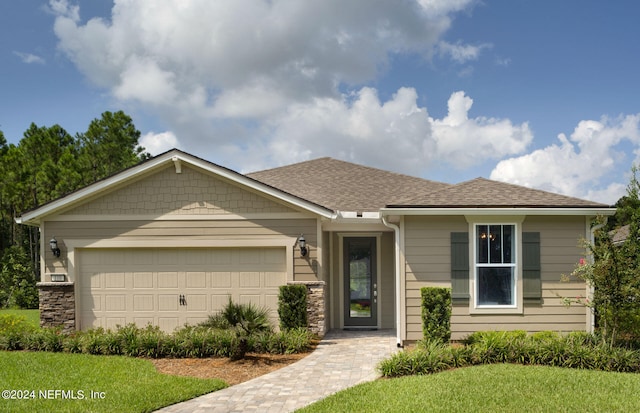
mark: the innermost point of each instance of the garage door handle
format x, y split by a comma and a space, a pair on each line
182, 300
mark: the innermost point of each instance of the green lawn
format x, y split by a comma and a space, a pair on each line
98, 383
492, 388
31, 316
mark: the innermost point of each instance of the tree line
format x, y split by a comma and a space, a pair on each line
46, 164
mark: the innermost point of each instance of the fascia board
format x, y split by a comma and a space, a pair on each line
499, 211
33, 217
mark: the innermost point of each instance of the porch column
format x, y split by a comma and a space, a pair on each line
57, 305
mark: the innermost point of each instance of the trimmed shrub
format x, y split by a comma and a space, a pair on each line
576, 350
296, 340
292, 306
150, 341
430, 356
436, 313
216, 321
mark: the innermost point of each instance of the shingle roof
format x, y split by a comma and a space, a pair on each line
345, 186
485, 193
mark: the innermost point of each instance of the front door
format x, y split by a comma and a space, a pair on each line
360, 282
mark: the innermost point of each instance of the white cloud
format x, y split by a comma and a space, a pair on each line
157, 143
29, 58
465, 142
578, 164
396, 134
257, 84
244, 59
63, 8
459, 52
143, 80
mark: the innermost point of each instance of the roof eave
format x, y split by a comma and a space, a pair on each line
494, 211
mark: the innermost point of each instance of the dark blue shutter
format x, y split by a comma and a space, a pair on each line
531, 282
460, 268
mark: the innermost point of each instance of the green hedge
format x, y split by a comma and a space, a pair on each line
292, 306
436, 313
577, 350
150, 341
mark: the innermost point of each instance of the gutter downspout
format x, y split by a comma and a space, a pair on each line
592, 238
396, 229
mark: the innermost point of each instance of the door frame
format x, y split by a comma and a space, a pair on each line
376, 277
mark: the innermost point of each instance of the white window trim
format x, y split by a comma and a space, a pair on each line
516, 308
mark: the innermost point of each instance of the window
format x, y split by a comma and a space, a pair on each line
495, 265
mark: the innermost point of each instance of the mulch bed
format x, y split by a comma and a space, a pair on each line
232, 372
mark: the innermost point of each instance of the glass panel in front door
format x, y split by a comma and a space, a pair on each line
360, 284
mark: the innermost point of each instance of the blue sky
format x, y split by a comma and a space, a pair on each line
538, 93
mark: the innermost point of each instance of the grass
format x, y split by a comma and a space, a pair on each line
127, 384
492, 388
32, 317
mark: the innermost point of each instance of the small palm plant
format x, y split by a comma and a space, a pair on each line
246, 320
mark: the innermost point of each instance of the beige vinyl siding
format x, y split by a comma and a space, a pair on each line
150, 232
190, 192
428, 261
428, 264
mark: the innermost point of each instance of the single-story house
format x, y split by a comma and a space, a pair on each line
168, 242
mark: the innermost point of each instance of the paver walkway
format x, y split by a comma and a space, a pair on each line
341, 360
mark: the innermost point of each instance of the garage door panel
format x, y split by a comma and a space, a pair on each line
221, 280
249, 256
143, 321
218, 301
196, 302
271, 300
145, 285
168, 302
113, 322
196, 279
248, 298
274, 256
195, 258
167, 257
221, 257
195, 320
274, 279
168, 324
143, 280
168, 280
249, 280
115, 280
143, 302
115, 302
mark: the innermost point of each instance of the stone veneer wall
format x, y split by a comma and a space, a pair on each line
315, 306
57, 305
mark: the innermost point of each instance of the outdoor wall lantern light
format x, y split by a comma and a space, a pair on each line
54, 247
303, 246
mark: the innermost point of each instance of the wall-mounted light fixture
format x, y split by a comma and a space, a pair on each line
54, 247
302, 243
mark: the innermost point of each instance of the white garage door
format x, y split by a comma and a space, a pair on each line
171, 287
